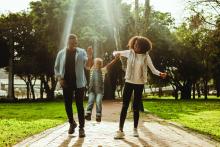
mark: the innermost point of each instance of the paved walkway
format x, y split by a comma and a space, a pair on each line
153, 132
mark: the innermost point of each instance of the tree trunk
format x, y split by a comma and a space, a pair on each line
176, 94
147, 12
137, 17
49, 90
205, 88
160, 92
32, 92
41, 90
218, 86
194, 91
32, 87
186, 91
28, 89
11, 71
198, 90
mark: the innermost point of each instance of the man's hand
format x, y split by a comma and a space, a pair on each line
163, 75
89, 52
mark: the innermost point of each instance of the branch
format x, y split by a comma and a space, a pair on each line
203, 18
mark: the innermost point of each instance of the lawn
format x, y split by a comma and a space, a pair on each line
20, 120
202, 116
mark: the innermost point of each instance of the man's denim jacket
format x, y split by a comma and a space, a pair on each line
80, 62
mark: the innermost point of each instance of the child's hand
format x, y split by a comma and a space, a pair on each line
117, 56
163, 75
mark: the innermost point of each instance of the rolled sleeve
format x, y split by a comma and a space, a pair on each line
85, 57
124, 53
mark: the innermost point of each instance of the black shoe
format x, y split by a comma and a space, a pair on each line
88, 116
72, 128
81, 133
98, 118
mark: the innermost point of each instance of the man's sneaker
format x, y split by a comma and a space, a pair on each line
88, 116
119, 135
98, 118
135, 132
72, 128
81, 133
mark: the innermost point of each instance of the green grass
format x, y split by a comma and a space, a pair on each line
202, 116
149, 96
20, 120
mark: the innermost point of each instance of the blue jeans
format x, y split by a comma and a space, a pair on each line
92, 98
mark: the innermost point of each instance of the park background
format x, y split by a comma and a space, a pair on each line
186, 47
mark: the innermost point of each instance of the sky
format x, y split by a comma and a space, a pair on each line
175, 7
14, 5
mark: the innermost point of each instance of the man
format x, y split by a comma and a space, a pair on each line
69, 69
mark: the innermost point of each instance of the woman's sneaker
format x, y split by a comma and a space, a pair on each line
135, 132
72, 128
81, 133
119, 135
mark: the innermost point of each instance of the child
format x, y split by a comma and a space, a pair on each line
96, 87
136, 75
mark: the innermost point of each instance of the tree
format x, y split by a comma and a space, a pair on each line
24, 46
48, 21
4, 56
215, 37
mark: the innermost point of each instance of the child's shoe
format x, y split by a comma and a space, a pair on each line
88, 116
119, 135
135, 132
98, 118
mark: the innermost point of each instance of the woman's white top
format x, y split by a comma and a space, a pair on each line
136, 71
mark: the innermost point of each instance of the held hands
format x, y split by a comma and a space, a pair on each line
163, 75
89, 52
117, 56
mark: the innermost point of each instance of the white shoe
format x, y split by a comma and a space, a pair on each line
119, 135
135, 132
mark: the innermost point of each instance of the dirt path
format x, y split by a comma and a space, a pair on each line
154, 132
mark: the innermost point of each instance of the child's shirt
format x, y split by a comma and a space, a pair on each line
96, 83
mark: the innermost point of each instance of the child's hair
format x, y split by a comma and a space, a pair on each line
144, 43
72, 36
99, 60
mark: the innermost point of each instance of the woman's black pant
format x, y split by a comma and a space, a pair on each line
127, 93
